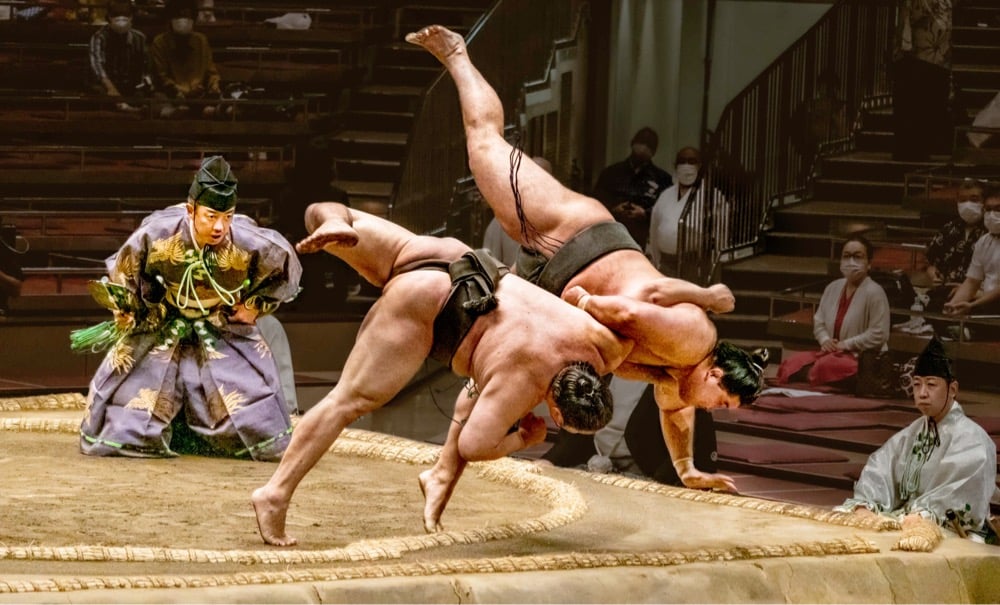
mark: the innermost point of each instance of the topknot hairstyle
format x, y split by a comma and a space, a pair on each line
743, 372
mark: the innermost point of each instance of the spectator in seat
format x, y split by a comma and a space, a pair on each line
852, 316
950, 250
119, 61
628, 189
979, 293
940, 470
182, 62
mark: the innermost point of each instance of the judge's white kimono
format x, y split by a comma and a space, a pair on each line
923, 470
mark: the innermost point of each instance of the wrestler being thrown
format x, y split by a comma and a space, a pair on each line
518, 344
572, 247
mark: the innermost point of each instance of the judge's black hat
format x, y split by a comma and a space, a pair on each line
933, 361
214, 184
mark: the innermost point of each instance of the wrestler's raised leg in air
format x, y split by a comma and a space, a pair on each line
552, 209
372, 246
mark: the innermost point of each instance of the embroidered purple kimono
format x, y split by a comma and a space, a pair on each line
181, 366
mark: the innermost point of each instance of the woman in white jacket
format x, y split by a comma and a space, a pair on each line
853, 316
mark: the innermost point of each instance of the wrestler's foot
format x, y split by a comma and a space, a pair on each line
335, 233
436, 496
439, 41
720, 299
270, 515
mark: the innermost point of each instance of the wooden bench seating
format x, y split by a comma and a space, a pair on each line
154, 164
298, 70
72, 115
224, 31
259, 209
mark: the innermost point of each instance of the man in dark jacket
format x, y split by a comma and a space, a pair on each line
629, 188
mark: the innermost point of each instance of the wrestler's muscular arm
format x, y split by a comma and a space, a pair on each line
668, 291
677, 336
485, 435
678, 434
691, 336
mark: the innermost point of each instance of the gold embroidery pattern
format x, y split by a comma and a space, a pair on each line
211, 354
125, 269
145, 400
233, 400
120, 357
153, 401
232, 258
169, 250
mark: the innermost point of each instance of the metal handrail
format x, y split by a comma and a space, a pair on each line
751, 156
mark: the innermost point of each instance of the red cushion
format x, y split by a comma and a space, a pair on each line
778, 453
801, 421
818, 403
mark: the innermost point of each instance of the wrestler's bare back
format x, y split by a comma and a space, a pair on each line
522, 344
533, 331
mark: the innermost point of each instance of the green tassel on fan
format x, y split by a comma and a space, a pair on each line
96, 339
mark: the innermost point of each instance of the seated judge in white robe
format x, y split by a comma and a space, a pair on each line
941, 469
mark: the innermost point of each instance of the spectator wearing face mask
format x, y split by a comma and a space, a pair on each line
183, 67
950, 250
628, 189
852, 316
979, 293
666, 215
119, 61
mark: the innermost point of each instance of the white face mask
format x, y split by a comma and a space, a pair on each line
849, 267
992, 221
686, 174
182, 26
970, 211
120, 25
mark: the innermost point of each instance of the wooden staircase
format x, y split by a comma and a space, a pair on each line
861, 190
374, 130
975, 73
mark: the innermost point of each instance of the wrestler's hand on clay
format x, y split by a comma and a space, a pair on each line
532, 429
695, 479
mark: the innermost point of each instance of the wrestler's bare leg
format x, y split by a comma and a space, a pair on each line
371, 245
392, 344
555, 211
438, 482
